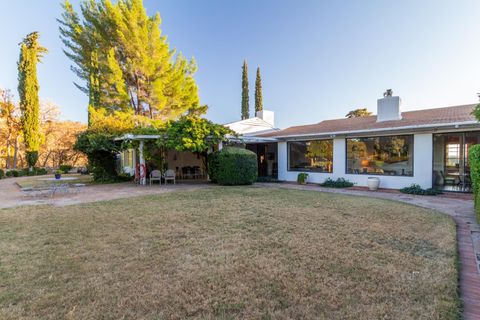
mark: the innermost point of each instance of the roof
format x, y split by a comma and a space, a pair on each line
410, 119
252, 125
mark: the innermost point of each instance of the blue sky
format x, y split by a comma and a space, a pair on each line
318, 59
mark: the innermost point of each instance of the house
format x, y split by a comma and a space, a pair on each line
425, 147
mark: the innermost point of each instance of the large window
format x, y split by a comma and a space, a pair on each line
391, 155
314, 155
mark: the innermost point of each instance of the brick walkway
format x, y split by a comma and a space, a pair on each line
468, 233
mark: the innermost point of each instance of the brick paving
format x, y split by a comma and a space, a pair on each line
459, 207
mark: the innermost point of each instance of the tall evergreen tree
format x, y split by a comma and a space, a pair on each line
245, 98
30, 54
127, 64
258, 92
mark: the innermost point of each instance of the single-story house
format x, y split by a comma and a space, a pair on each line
425, 147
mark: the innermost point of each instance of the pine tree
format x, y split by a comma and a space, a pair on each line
127, 64
245, 98
258, 92
30, 54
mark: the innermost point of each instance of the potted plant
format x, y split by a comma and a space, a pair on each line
302, 178
373, 183
58, 174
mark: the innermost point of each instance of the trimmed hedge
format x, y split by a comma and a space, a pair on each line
474, 161
2, 173
233, 166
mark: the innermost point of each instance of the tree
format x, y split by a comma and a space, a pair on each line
194, 134
358, 113
125, 61
10, 128
30, 54
245, 98
258, 92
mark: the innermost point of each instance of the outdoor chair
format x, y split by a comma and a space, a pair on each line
169, 175
155, 175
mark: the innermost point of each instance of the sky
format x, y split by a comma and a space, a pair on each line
318, 59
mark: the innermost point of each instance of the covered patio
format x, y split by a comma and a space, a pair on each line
142, 161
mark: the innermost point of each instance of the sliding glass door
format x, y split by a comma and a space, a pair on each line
451, 171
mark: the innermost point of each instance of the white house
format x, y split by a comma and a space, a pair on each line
426, 147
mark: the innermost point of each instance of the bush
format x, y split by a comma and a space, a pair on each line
13, 173
339, 183
101, 151
65, 167
302, 178
40, 171
416, 189
233, 166
2, 173
9, 174
268, 179
474, 160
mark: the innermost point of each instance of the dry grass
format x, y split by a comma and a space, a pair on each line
228, 253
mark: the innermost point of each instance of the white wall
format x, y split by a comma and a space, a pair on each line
422, 166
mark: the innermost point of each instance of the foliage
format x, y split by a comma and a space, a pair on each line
302, 177
2, 173
245, 97
258, 92
125, 62
101, 151
339, 183
10, 128
358, 113
195, 134
418, 190
65, 167
233, 166
30, 54
474, 161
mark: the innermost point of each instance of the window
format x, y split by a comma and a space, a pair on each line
314, 155
390, 155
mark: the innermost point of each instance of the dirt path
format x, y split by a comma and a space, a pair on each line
11, 195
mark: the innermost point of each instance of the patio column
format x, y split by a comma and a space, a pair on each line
143, 179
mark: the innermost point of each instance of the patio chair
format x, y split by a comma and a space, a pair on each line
169, 175
156, 175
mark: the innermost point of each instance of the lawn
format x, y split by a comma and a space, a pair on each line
228, 253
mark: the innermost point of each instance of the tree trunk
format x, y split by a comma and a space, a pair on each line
15, 153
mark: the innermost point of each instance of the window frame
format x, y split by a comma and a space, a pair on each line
380, 174
289, 169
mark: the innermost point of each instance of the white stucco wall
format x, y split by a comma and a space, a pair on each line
422, 166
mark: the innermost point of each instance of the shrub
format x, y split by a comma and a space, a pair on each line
40, 171
9, 174
14, 173
416, 189
302, 178
101, 151
2, 173
233, 166
339, 183
65, 167
474, 160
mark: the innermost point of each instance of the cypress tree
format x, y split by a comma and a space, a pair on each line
245, 99
30, 54
258, 92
